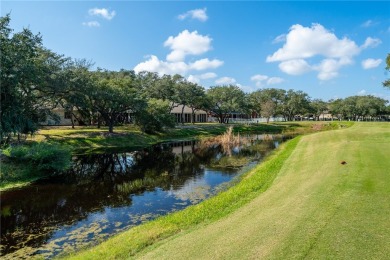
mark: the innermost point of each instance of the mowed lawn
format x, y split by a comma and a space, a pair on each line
316, 208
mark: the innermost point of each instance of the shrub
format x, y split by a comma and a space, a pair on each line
155, 117
41, 156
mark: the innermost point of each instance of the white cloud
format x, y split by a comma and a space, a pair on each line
262, 80
362, 92
208, 75
246, 89
225, 81
161, 67
102, 12
154, 64
199, 14
92, 24
198, 78
306, 42
186, 43
274, 80
204, 64
303, 43
193, 79
280, 38
259, 77
328, 69
371, 63
368, 23
371, 43
295, 67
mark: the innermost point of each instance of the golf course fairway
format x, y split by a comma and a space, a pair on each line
316, 208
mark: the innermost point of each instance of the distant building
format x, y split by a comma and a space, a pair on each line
198, 116
61, 118
65, 118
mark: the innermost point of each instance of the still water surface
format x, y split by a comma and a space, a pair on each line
104, 194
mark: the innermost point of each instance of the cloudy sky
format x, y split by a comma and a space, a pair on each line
327, 49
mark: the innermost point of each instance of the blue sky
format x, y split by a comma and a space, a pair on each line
327, 49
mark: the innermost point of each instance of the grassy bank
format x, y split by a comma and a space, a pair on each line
315, 208
92, 139
86, 139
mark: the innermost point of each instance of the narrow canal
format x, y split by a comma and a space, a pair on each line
104, 194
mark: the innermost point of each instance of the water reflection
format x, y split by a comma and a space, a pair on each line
106, 193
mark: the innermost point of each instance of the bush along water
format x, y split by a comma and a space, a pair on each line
38, 160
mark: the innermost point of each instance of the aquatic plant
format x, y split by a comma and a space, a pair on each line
227, 141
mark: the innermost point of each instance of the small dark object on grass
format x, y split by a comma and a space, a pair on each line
343, 162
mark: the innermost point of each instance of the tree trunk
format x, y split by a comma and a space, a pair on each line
192, 116
98, 121
111, 127
71, 118
182, 115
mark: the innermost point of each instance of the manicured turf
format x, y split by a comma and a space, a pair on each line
315, 207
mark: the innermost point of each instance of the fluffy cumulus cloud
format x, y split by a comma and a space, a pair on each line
306, 42
92, 24
184, 44
259, 77
198, 78
154, 64
328, 68
102, 12
198, 14
187, 43
262, 80
371, 63
274, 80
303, 43
225, 81
204, 64
295, 67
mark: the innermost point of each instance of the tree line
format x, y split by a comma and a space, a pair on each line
35, 80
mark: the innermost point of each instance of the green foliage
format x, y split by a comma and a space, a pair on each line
359, 107
259, 97
317, 107
295, 103
29, 77
42, 157
155, 117
225, 100
386, 83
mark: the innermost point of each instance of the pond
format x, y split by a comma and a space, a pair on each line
104, 194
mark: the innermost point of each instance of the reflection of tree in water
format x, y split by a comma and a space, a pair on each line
30, 215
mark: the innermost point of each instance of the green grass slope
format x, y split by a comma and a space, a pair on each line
316, 208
